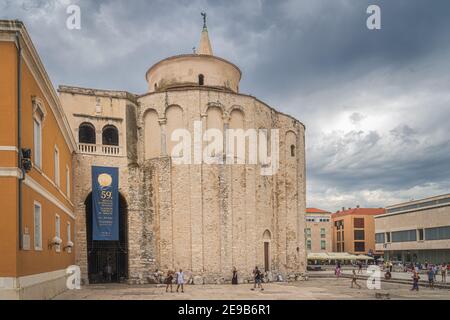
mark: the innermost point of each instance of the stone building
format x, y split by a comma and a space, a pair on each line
202, 217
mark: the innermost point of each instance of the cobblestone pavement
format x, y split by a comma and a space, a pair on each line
313, 289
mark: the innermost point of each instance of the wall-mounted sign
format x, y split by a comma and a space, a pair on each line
105, 204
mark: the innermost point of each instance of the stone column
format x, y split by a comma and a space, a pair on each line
197, 225
225, 208
98, 137
226, 126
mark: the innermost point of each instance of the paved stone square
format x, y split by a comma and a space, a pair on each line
313, 289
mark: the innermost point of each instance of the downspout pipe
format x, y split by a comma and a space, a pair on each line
19, 137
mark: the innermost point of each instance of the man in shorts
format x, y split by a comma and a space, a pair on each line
258, 279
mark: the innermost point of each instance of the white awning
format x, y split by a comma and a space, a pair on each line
337, 256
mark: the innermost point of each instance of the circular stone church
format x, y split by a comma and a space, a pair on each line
222, 209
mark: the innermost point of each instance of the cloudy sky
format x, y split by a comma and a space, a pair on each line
376, 104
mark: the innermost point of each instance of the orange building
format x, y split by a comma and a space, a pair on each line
37, 214
354, 230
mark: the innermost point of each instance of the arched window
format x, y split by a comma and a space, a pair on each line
156, 86
86, 133
292, 151
201, 80
267, 236
110, 136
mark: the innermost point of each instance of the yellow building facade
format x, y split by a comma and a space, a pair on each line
319, 231
37, 214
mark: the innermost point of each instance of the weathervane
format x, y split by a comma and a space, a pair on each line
204, 20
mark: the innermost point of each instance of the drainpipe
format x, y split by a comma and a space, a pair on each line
19, 135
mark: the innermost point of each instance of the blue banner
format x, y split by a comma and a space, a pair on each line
105, 204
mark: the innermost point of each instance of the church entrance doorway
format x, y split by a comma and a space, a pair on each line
267, 236
107, 260
266, 256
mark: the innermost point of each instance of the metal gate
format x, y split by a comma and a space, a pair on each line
107, 260
107, 264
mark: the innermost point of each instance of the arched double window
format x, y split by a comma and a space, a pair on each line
110, 136
201, 80
86, 133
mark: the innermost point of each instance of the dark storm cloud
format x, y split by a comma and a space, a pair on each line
376, 103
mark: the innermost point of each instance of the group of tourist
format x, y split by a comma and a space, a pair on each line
411, 266
179, 279
432, 271
258, 276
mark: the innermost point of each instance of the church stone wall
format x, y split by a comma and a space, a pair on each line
209, 218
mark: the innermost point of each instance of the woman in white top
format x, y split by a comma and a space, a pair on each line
444, 272
180, 280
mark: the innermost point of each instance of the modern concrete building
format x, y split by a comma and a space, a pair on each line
354, 231
416, 231
318, 231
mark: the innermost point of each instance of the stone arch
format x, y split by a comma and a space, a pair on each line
237, 123
237, 119
214, 117
235, 107
291, 132
149, 109
171, 107
267, 235
214, 105
214, 121
86, 133
152, 134
110, 135
175, 120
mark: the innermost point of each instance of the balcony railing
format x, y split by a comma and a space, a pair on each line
97, 149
